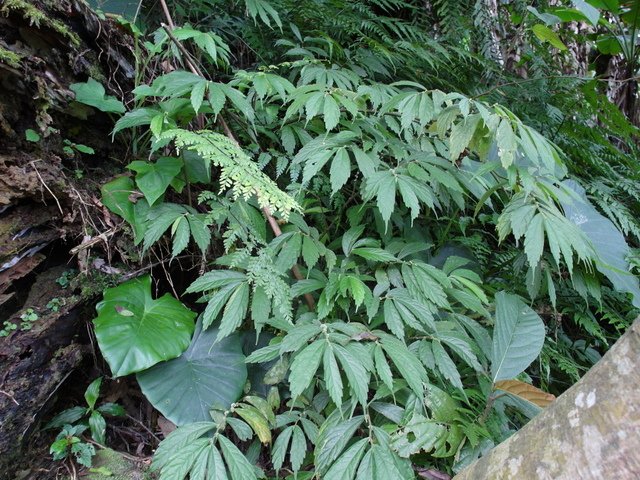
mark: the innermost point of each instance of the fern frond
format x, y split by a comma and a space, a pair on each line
237, 170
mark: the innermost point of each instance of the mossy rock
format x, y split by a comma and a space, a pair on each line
116, 467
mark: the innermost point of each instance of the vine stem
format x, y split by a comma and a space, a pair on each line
273, 223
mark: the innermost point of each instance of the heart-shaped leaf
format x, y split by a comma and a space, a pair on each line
135, 331
517, 338
209, 374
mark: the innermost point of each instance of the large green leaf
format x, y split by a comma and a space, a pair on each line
611, 248
135, 331
209, 374
518, 337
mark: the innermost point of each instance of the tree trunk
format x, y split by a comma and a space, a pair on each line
45, 208
592, 431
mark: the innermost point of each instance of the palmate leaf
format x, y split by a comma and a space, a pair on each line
188, 453
518, 337
135, 332
210, 374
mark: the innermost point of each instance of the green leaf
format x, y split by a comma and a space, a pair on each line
518, 337
158, 330
610, 246
298, 448
211, 373
331, 113
98, 427
92, 93
235, 310
445, 365
31, 135
347, 464
375, 254
304, 367
355, 371
406, 362
332, 377
68, 416
340, 170
93, 392
115, 196
239, 466
256, 420
589, 11
545, 34
280, 446
333, 441
112, 409
153, 179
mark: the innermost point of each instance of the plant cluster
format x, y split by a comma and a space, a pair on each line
385, 258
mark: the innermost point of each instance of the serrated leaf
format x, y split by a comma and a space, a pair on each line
406, 362
280, 447
298, 448
257, 421
238, 465
331, 112
304, 367
355, 371
347, 464
334, 440
235, 311
340, 169
332, 377
445, 365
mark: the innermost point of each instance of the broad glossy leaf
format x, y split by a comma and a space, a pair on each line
135, 331
518, 337
526, 392
609, 244
209, 374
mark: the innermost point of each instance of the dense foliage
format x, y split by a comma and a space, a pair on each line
411, 224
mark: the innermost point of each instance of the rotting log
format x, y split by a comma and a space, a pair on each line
592, 431
45, 46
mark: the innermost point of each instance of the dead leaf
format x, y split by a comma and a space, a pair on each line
526, 392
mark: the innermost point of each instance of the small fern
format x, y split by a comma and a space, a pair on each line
237, 170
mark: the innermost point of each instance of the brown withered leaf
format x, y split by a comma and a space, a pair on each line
526, 392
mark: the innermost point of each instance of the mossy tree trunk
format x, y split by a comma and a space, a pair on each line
592, 431
45, 210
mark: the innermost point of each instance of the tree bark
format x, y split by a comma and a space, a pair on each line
592, 431
45, 46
